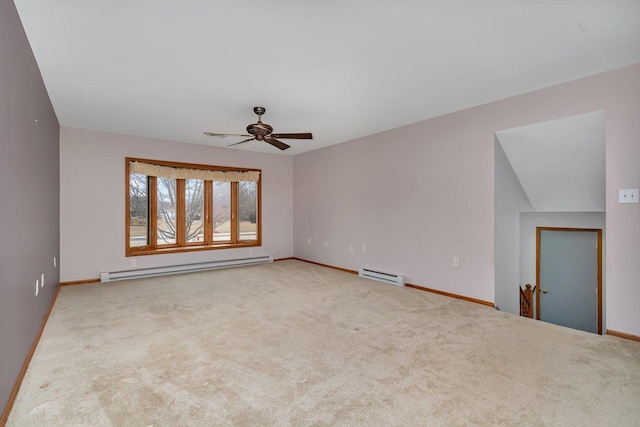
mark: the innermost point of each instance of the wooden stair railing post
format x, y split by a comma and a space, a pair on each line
526, 299
529, 294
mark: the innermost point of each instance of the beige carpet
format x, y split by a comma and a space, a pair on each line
292, 343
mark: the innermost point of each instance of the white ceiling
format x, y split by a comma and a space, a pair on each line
173, 69
560, 163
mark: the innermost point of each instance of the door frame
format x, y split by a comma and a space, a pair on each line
599, 290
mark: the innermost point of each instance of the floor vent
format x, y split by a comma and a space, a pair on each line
392, 279
184, 268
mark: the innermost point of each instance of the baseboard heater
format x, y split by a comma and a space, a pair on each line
392, 279
183, 268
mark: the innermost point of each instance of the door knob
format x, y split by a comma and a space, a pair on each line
544, 291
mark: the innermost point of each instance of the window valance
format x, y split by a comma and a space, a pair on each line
150, 169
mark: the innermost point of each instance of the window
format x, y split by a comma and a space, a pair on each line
194, 210
177, 207
248, 210
138, 210
221, 209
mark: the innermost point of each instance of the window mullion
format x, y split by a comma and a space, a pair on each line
153, 212
127, 216
181, 222
234, 213
259, 213
208, 212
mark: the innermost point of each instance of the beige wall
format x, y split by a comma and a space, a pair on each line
421, 194
92, 200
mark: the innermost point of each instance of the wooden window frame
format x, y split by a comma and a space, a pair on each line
153, 248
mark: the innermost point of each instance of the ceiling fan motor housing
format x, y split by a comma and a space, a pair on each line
260, 130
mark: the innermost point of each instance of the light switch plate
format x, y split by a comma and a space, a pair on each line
629, 195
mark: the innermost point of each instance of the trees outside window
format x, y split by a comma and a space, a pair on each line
221, 211
247, 210
138, 210
166, 202
194, 210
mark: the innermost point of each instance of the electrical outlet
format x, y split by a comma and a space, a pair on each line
351, 248
456, 261
309, 240
54, 262
628, 196
250, 251
133, 263
326, 244
37, 287
364, 248
42, 280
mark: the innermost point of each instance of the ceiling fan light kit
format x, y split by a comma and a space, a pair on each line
263, 132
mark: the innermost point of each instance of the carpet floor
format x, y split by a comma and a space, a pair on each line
292, 343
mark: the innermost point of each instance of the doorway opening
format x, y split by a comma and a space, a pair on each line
548, 174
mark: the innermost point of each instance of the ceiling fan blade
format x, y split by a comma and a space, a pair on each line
292, 135
278, 144
241, 142
224, 134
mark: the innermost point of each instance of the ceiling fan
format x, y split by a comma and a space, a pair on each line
263, 132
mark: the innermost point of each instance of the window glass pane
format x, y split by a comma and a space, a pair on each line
138, 211
166, 201
221, 211
194, 210
248, 210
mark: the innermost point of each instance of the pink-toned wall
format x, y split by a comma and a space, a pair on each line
419, 195
92, 200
